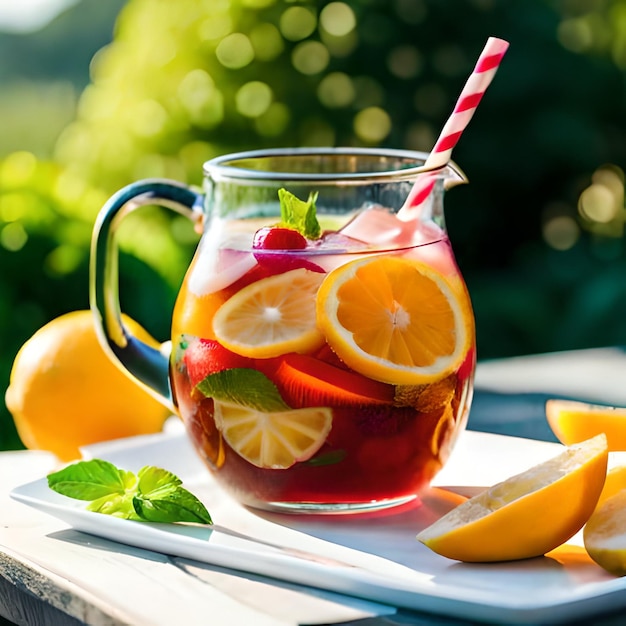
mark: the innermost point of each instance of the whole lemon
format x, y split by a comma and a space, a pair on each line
65, 392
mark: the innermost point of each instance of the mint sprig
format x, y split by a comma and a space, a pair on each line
243, 386
298, 214
153, 495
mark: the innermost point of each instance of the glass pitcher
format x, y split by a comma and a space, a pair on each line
323, 346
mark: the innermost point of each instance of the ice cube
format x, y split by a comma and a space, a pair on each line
378, 226
215, 269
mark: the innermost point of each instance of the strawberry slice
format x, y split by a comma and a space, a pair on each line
305, 381
328, 355
207, 356
278, 238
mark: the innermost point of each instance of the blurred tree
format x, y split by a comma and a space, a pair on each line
237, 74
182, 82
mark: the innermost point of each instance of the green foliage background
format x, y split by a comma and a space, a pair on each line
155, 91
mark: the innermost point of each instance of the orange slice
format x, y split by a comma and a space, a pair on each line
605, 534
573, 421
394, 319
275, 440
272, 316
528, 514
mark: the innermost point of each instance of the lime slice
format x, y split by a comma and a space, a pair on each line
275, 440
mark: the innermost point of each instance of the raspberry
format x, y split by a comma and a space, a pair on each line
277, 238
384, 421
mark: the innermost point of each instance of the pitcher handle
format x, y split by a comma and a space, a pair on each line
147, 365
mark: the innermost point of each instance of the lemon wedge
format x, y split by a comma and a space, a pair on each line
528, 514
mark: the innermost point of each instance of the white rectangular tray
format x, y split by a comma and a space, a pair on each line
373, 556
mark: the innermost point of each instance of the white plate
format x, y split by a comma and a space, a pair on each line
371, 556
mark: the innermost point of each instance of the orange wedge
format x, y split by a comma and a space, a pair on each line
614, 483
528, 514
395, 320
574, 421
275, 440
272, 316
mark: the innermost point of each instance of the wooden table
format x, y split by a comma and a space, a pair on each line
111, 584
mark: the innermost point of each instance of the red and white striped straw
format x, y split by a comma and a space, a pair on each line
471, 95
475, 87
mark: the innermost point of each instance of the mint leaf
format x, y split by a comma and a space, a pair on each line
117, 505
90, 480
327, 458
154, 495
156, 482
162, 499
243, 386
298, 214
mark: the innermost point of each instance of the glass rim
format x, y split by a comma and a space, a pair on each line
222, 167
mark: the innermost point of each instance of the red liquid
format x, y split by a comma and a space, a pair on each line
383, 447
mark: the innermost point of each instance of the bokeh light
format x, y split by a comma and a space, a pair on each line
372, 125
13, 237
201, 99
336, 90
297, 23
235, 51
253, 99
310, 57
338, 19
560, 229
597, 203
267, 42
601, 204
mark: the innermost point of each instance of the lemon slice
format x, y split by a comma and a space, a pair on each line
527, 515
275, 440
271, 317
573, 421
605, 534
395, 320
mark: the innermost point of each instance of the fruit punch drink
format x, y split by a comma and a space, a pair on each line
323, 344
